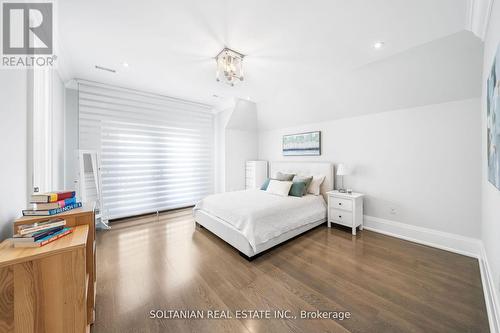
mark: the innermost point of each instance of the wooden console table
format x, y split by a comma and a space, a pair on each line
50, 289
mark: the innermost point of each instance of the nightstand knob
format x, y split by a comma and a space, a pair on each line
340, 203
340, 216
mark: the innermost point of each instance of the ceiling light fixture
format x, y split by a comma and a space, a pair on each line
378, 45
229, 66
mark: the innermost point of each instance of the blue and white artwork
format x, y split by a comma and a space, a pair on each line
493, 122
302, 144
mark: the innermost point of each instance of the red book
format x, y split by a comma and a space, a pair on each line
65, 195
52, 196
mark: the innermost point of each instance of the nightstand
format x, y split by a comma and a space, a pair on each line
345, 209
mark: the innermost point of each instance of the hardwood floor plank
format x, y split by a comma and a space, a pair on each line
389, 285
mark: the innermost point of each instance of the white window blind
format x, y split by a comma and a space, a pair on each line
156, 152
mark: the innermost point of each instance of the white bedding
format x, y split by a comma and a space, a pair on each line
261, 216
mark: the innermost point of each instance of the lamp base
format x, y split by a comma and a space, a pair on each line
342, 190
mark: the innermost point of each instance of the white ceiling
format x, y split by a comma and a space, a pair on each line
297, 50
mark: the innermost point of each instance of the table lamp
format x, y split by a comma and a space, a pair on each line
342, 170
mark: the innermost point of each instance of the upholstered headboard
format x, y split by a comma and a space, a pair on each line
306, 168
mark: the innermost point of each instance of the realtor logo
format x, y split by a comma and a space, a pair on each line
27, 28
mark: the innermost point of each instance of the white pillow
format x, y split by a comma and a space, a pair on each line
314, 187
279, 187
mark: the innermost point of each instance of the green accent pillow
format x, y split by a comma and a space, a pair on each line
303, 179
284, 176
297, 189
265, 184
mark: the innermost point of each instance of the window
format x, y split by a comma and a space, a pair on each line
156, 152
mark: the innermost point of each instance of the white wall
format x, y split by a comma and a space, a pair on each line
16, 143
220, 121
241, 146
424, 162
241, 143
13, 147
236, 141
490, 195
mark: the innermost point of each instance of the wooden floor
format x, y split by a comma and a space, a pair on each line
388, 285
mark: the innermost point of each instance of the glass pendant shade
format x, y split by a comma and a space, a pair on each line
229, 66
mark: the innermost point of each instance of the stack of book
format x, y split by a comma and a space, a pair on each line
47, 204
40, 234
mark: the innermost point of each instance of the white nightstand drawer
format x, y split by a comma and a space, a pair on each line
341, 217
337, 203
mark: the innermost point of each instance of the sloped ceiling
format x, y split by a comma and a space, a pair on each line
443, 70
306, 60
243, 116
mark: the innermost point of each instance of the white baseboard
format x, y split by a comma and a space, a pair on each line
439, 239
450, 242
490, 294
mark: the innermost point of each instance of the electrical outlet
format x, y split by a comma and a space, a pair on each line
393, 211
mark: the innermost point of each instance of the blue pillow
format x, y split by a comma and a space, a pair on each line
304, 179
297, 189
265, 184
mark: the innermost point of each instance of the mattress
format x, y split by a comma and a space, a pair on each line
260, 216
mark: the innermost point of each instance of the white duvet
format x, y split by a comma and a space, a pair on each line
261, 216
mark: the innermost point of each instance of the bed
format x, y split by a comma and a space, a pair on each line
254, 221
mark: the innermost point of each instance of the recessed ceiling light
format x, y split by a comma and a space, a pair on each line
378, 45
125, 64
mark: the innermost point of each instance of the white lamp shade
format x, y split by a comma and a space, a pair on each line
343, 170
